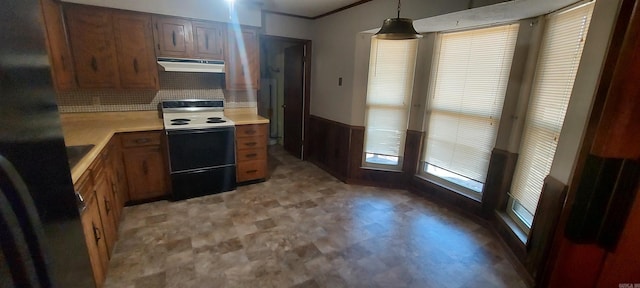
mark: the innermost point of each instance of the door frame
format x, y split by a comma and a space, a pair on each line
264, 39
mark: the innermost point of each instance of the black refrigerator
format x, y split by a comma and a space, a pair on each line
40, 229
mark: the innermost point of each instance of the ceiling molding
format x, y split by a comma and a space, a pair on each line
341, 9
321, 15
287, 14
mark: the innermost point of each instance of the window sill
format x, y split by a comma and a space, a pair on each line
390, 169
477, 198
515, 229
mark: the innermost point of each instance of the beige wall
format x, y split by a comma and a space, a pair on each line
337, 46
286, 26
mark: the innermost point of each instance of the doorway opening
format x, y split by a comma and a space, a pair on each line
285, 73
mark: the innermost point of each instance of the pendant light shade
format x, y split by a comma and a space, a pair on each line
397, 29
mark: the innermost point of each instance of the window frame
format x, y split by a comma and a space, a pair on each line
422, 173
406, 108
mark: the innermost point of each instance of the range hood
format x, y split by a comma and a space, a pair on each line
191, 65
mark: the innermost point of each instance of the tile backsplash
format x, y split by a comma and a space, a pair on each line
173, 85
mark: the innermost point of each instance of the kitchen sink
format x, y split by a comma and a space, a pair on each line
75, 153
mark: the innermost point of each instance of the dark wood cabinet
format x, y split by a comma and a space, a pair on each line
134, 46
209, 40
94, 51
173, 36
106, 203
242, 75
92, 227
58, 46
112, 49
145, 166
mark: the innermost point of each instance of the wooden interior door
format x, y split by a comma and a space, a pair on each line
136, 57
293, 99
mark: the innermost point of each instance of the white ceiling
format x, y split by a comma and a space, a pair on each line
306, 8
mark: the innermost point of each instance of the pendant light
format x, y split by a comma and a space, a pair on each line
397, 29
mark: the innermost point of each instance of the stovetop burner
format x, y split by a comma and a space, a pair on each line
214, 118
180, 123
180, 120
216, 121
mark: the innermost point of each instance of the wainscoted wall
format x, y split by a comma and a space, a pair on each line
173, 85
502, 166
329, 144
338, 148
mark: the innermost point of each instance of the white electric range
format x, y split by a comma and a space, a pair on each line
201, 146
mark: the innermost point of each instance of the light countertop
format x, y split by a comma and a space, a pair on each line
98, 128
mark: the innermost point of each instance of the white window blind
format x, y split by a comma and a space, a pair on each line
560, 54
391, 70
468, 88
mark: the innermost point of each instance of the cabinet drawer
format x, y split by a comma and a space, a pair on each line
84, 186
141, 139
252, 170
251, 142
251, 130
252, 154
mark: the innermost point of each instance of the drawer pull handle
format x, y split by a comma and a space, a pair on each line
251, 144
252, 155
252, 171
94, 64
135, 65
107, 206
173, 38
142, 140
96, 233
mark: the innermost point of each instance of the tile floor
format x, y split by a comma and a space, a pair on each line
304, 228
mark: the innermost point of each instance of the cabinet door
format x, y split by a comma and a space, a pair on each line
145, 172
173, 37
106, 206
134, 45
242, 75
93, 47
59, 51
94, 237
208, 40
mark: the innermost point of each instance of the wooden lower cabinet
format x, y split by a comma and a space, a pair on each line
93, 229
251, 152
95, 239
144, 161
106, 204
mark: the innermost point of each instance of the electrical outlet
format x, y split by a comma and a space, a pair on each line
339, 81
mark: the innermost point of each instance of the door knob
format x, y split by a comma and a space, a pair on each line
284, 106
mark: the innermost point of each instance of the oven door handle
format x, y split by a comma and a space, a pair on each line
199, 131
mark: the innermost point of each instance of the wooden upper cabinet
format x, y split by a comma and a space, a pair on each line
238, 75
173, 36
134, 45
94, 51
59, 51
209, 40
